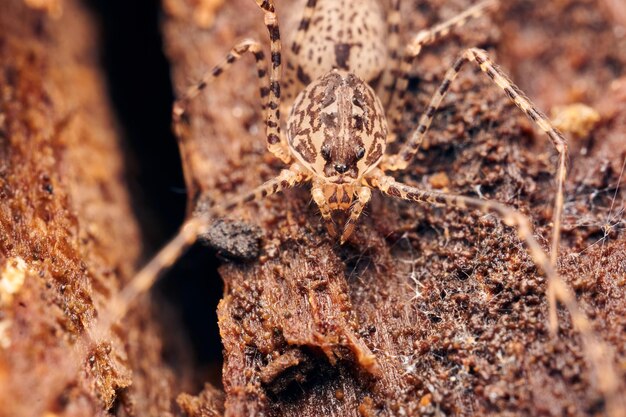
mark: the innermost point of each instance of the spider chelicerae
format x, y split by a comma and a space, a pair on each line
338, 84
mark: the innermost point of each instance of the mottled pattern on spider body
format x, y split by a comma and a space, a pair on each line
337, 127
346, 35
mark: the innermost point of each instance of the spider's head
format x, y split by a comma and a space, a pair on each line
337, 127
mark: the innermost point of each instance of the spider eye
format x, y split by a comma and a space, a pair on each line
328, 119
358, 122
360, 152
326, 152
357, 102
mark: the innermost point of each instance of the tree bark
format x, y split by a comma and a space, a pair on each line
68, 237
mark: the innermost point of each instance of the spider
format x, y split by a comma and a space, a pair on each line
337, 132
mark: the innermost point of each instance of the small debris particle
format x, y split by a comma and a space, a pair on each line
234, 239
339, 394
204, 15
12, 279
577, 119
366, 408
275, 368
426, 400
209, 403
54, 8
439, 180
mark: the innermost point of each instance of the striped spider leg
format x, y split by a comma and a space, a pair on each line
394, 86
597, 354
395, 99
187, 235
269, 89
410, 148
198, 223
601, 361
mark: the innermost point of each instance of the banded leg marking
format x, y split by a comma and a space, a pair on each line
286, 179
185, 237
267, 92
276, 143
388, 80
424, 38
402, 160
147, 276
234, 55
600, 358
363, 197
322, 204
303, 27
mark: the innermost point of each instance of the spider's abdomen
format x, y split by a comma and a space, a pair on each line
349, 35
337, 127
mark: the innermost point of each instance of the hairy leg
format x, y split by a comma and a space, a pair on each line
363, 196
322, 203
388, 80
239, 50
410, 148
276, 143
246, 46
269, 88
598, 355
186, 236
423, 38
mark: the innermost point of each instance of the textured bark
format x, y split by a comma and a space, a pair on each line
449, 302
68, 237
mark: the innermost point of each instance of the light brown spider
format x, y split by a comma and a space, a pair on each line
337, 132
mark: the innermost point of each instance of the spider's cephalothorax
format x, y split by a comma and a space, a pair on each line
337, 128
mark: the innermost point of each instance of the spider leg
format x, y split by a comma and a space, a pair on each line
276, 143
245, 46
363, 197
402, 160
303, 27
147, 276
186, 236
388, 80
320, 199
286, 179
599, 356
269, 88
423, 38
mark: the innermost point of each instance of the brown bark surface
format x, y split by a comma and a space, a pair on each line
68, 237
449, 302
